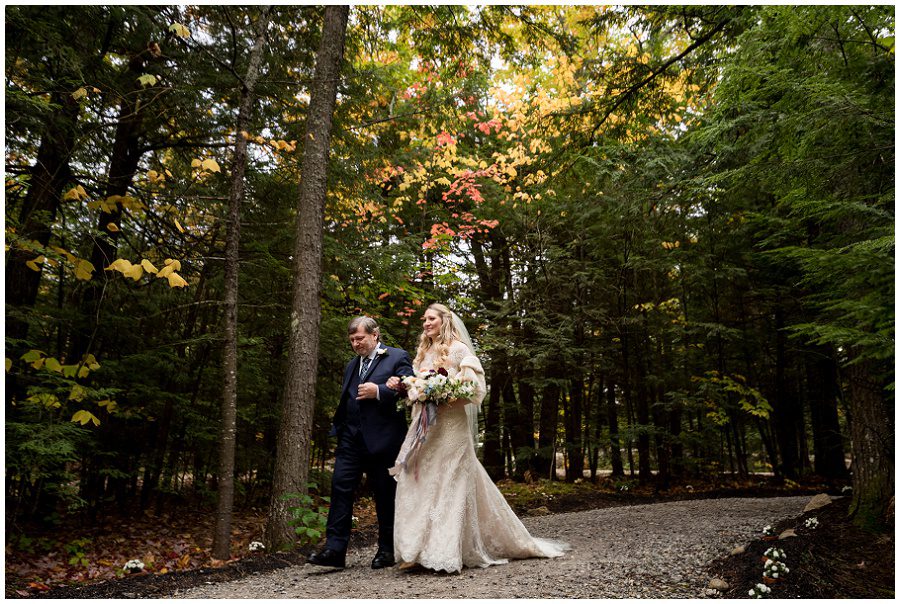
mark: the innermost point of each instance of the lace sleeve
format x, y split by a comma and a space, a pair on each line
470, 369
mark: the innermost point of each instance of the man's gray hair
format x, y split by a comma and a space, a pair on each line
368, 324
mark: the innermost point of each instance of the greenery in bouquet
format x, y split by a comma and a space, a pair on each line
436, 386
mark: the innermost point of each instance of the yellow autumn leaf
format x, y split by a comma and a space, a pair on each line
211, 165
131, 203
111, 406
167, 270
121, 264
83, 417
76, 193
79, 94
111, 227
83, 269
90, 361
178, 225
148, 79
63, 252
8, 363
78, 393
180, 30
47, 400
135, 272
175, 280
196, 163
32, 355
148, 266
33, 264
53, 365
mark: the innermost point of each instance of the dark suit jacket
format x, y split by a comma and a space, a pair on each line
383, 425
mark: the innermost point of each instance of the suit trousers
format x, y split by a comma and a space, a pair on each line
352, 459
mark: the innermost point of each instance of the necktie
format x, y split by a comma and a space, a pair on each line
365, 366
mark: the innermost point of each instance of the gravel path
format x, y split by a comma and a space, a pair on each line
642, 551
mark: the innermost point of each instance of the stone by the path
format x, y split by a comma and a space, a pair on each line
718, 584
738, 550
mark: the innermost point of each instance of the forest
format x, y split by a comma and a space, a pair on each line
668, 229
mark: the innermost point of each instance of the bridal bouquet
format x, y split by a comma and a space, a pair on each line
436, 387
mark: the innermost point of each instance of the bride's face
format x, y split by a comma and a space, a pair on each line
431, 324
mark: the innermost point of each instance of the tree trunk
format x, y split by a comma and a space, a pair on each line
523, 429
123, 163
48, 176
612, 416
491, 285
822, 389
221, 548
292, 455
645, 474
872, 430
785, 408
548, 424
573, 421
492, 455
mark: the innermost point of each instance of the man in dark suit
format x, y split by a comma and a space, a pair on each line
370, 430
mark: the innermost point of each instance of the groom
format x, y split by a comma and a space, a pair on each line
369, 431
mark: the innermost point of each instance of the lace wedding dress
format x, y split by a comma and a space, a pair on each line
448, 512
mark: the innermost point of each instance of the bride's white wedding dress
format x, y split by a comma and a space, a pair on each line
448, 512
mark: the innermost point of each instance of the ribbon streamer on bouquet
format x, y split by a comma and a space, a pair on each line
414, 439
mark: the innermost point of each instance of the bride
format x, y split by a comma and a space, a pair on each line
448, 512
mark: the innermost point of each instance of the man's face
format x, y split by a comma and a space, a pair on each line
363, 343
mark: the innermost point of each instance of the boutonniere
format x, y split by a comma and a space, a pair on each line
381, 351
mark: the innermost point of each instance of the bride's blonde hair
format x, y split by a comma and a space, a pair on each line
445, 338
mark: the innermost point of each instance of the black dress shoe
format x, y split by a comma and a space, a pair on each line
329, 557
383, 559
